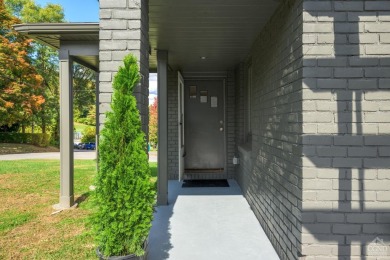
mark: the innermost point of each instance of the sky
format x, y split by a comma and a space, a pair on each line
77, 10
88, 11
152, 87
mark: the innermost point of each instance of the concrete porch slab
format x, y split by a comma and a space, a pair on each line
207, 223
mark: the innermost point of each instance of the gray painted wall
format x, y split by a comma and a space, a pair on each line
173, 152
124, 29
316, 172
230, 123
346, 123
270, 169
241, 106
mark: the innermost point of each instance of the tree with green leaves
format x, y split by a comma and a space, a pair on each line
44, 60
21, 91
125, 196
89, 135
30, 12
84, 85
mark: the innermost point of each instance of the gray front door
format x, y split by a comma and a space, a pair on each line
205, 125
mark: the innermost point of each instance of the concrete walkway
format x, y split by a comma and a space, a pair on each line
207, 223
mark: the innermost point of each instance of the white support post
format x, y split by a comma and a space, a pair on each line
66, 131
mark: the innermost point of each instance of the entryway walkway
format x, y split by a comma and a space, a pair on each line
207, 223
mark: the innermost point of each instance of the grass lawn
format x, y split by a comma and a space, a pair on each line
80, 127
153, 167
28, 189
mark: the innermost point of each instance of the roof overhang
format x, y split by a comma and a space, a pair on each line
199, 36
80, 39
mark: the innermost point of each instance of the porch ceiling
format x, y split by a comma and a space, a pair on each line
57, 34
220, 30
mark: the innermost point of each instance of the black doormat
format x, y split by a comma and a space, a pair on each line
204, 183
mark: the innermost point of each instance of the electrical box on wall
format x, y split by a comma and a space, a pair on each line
236, 160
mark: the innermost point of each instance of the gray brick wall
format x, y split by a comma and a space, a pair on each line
173, 145
241, 114
230, 123
123, 29
316, 169
240, 103
346, 128
270, 169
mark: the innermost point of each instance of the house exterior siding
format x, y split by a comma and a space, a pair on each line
315, 158
230, 123
173, 143
270, 169
124, 29
346, 127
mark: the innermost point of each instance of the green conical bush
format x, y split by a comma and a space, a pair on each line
125, 196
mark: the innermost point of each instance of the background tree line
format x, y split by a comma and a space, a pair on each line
153, 123
29, 74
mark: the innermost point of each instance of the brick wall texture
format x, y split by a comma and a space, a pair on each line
315, 169
230, 124
270, 169
346, 128
124, 29
173, 145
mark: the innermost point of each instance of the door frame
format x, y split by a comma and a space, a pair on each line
204, 77
180, 124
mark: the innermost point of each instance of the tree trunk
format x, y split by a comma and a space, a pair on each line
43, 126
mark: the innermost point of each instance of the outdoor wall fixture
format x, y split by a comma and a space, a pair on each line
203, 57
236, 160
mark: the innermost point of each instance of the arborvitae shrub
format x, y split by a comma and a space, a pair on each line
124, 195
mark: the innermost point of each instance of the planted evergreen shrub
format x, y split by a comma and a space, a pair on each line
125, 196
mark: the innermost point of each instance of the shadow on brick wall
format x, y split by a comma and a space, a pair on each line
356, 217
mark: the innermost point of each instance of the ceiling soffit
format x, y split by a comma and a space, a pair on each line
220, 31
